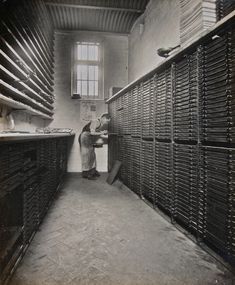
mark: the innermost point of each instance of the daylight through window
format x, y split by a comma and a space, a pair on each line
87, 69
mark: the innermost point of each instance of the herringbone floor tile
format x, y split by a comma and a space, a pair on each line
97, 234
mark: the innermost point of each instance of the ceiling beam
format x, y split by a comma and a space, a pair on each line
93, 7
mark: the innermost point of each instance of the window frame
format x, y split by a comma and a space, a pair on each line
98, 63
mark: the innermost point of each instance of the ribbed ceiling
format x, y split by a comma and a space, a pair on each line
116, 16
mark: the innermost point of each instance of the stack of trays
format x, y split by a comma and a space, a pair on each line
217, 92
40, 154
119, 103
136, 111
194, 85
31, 191
123, 150
119, 113
48, 163
148, 108
185, 100
64, 151
43, 175
127, 113
182, 124
163, 105
121, 157
30, 166
136, 161
112, 150
113, 122
186, 185
12, 160
11, 193
61, 156
9, 184
31, 209
114, 147
43, 155
125, 127
4, 164
127, 145
147, 171
224, 7
218, 185
52, 166
163, 176
118, 154
43, 192
196, 16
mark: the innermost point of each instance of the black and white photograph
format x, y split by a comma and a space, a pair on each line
117, 142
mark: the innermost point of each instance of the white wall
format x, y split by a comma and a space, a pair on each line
160, 29
68, 112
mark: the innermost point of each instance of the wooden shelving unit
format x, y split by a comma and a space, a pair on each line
27, 57
23, 107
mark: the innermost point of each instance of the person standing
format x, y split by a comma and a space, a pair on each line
90, 132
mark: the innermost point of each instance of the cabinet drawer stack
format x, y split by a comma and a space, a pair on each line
182, 133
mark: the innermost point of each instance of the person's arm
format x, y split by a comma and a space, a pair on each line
93, 127
94, 133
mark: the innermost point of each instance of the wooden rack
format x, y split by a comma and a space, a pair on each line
27, 57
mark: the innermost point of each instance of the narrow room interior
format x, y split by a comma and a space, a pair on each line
117, 142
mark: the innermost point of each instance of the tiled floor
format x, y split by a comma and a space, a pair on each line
97, 234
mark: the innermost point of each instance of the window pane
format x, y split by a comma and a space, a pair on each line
91, 52
84, 52
88, 51
78, 87
79, 74
87, 75
91, 88
79, 52
91, 72
84, 72
96, 54
96, 73
84, 88
96, 88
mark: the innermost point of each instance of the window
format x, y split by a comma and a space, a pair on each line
87, 70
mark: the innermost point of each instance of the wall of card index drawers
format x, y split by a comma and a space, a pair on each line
30, 173
173, 130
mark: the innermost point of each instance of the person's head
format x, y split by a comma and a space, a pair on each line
105, 119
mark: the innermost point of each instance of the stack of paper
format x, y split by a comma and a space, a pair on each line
224, 7
196, 17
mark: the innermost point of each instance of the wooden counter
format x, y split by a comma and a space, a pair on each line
17, 137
